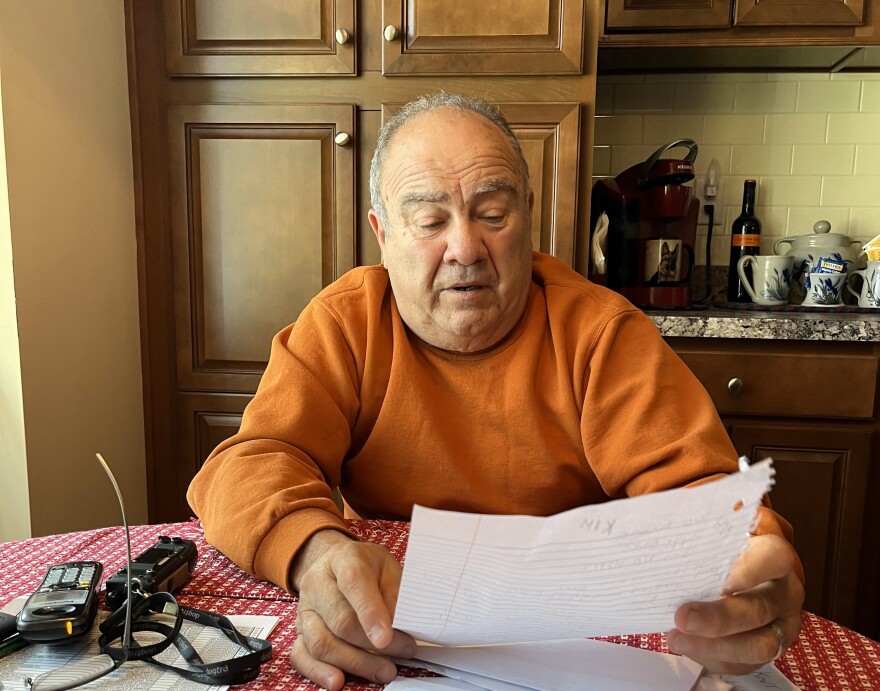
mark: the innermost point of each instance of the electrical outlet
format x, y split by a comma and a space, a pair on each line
700, 191
709, 190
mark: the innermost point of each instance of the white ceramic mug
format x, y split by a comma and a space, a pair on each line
869, 296
771, 278
824, 290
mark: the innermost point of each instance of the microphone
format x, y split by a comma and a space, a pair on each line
78, 673
126, 639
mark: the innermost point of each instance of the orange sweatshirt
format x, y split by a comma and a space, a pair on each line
582, 402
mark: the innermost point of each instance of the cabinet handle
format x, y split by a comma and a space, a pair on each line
391, 33
342, 139
735, 385
343, 36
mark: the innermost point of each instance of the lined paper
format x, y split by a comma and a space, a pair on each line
622, 567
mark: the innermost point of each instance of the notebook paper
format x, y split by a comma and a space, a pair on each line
615, 568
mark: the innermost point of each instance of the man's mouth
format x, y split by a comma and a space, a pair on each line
466, 289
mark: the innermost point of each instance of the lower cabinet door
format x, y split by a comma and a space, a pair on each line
203, 421
821, 489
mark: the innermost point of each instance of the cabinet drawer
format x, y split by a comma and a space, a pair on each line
795, 385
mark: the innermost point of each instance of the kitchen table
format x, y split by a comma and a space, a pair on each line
825, 656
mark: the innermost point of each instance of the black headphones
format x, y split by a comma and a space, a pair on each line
233, 671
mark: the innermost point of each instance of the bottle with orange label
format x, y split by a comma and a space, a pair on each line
745, 239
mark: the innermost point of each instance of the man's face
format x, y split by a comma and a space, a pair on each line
457, 247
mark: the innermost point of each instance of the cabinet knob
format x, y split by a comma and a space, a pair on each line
343, 36
342, 139
735, 385
391, 33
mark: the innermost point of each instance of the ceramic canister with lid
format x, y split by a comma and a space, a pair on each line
806, 250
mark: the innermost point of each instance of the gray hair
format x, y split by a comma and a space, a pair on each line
426, 104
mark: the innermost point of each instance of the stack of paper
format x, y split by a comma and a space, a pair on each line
572, 665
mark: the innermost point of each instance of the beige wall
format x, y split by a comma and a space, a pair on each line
71, 214
811, 140
15, 514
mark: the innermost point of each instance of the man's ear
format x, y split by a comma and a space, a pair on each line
379, 230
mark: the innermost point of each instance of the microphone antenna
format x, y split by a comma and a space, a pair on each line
126, 636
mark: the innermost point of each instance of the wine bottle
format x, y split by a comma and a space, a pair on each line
745, 239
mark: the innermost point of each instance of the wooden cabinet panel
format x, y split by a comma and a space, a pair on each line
203, 421
262, 218
259, 37
827, 456
653, 15
755, 383
488, 37
821, 485
549, 134
792, 35
799, 12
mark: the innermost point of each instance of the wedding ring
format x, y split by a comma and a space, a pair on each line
780, 636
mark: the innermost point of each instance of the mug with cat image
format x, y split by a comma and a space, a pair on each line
663, 262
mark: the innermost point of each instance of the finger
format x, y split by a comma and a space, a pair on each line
744, 611
328, 676
322, 653
342, 622
736, 654
357, 581
768, 557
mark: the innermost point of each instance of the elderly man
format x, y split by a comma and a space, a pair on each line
466, 373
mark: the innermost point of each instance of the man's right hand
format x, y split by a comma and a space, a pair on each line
347, 594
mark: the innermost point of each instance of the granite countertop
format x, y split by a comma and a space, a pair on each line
860, 326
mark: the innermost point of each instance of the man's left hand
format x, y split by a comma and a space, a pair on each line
754, 622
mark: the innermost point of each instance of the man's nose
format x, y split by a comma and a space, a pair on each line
464, 243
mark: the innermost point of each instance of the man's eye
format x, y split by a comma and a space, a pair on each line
429, 225
494, 218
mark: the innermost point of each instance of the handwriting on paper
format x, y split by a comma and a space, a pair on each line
620, 567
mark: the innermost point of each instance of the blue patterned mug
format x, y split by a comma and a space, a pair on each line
824, 290
771, 278
869, 296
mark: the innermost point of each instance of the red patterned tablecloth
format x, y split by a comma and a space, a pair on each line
826, 657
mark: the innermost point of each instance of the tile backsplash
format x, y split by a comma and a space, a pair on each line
811, 140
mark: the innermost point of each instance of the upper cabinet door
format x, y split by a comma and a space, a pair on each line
667, 14
484, 37
799, 12
262, 218
260, 37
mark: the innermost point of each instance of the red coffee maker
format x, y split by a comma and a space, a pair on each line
647, 201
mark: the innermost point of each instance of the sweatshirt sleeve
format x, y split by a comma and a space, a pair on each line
264, 492
649, 425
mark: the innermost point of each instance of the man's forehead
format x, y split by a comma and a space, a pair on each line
445, 150
429, 135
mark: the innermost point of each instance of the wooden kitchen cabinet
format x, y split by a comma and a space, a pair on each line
321, 37
443, 37
787, 13
740, 23
661, 15
260, 37
811, 406
253, 131
228, 309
